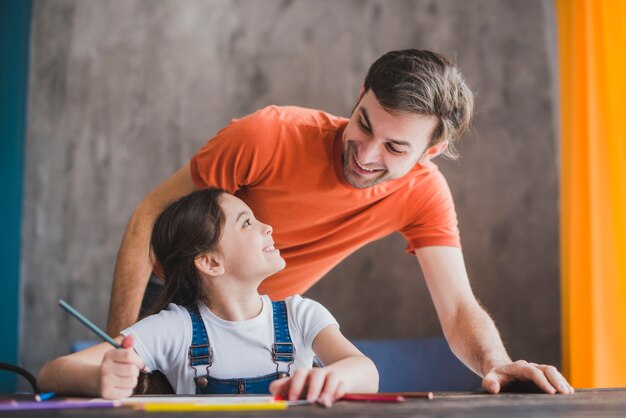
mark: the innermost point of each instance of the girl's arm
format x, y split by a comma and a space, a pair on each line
346, 370
100, 370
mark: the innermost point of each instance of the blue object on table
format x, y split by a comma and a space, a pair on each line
425, 364
44, 396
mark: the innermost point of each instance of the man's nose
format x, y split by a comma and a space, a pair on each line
369, 152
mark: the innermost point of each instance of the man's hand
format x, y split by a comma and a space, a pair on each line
545, 377
316, 385
119, 371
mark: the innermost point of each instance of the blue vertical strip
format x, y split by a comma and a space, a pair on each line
15, 18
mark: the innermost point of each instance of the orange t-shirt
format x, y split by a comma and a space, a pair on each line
285, 163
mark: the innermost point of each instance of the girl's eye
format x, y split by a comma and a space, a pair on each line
247, 222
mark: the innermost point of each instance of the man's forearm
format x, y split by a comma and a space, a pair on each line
133, 266
132, 271
470, 331
474, 338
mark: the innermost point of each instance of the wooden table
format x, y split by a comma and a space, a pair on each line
585, 403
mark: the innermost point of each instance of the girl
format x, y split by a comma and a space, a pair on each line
213, 332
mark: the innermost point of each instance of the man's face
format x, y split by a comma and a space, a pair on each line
379, 146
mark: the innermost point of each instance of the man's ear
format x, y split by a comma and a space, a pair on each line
209, 263
433, 151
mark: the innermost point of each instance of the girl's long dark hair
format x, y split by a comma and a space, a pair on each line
185, 229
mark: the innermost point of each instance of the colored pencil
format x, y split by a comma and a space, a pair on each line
56, 404
194, 407
371, 397
40, 397
63, 304
427, 395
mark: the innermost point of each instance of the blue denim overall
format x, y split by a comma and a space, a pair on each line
201, 354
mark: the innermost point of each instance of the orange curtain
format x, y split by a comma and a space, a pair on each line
592, 70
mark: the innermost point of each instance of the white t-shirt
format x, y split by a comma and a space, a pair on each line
241, 349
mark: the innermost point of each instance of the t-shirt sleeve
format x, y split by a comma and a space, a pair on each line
240, 154
310, 317
434, 222
162, 337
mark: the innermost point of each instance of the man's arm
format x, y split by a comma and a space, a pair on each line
133, 266
469, 329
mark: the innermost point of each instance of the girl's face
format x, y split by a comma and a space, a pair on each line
247, 245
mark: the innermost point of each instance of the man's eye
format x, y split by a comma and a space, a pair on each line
393, 149
363, 126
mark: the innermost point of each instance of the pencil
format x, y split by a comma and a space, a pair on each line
40, 397
372, 397
191, 407
63, 304
428, 395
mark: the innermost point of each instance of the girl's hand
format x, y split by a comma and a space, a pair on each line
119, 371
316, 385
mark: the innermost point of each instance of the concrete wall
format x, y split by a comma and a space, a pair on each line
123, 92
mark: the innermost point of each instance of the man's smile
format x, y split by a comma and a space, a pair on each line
361, 169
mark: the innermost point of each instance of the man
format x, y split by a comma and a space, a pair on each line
329, 186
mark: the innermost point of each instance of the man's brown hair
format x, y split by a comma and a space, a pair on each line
426, 83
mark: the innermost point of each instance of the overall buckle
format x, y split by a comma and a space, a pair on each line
283, 353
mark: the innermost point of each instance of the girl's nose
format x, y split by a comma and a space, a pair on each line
268, 229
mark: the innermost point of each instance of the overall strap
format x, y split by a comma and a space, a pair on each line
200, 352
283, 349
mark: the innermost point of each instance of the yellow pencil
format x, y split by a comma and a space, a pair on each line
191, 407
